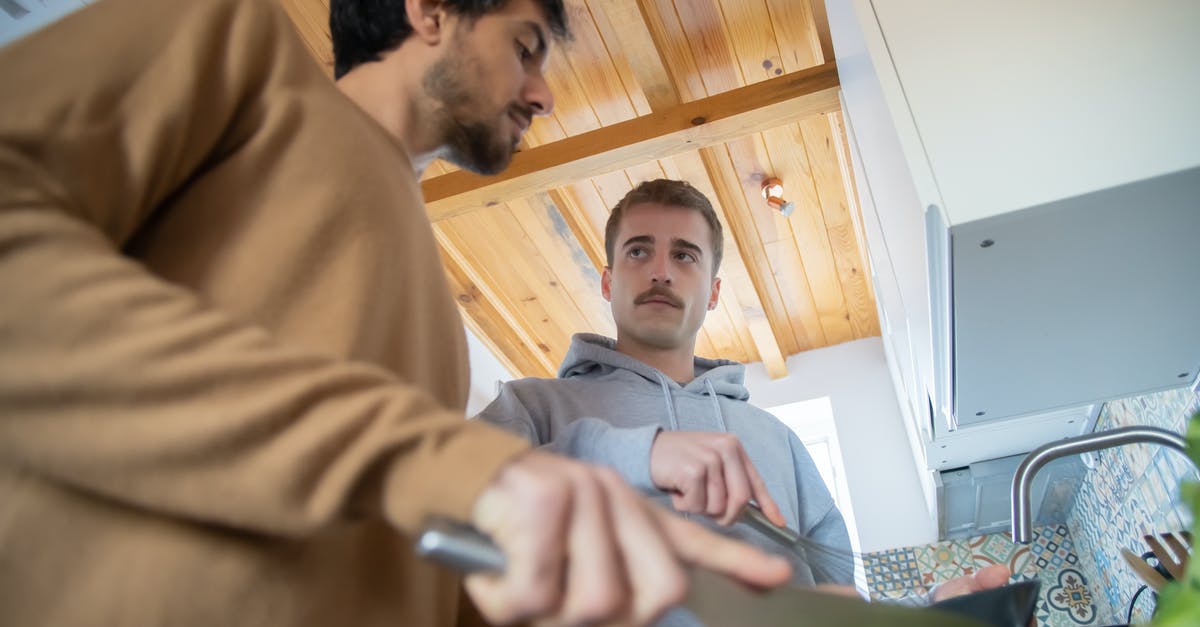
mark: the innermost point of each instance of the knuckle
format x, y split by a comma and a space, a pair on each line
538, 601
549, 491
600, 605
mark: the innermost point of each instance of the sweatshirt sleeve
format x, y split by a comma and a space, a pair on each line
832, 559
125, 386
593, 440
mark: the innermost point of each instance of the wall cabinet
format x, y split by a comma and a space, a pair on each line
1029, 177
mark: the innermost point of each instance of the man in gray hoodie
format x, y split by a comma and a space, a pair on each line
676, 426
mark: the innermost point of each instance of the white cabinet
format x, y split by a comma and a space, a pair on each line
1029, 174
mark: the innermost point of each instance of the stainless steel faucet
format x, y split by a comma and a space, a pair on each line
1022, 518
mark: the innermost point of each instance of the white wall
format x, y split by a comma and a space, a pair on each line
486, 371
888, 499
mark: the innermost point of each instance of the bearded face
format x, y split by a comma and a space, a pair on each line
481, 135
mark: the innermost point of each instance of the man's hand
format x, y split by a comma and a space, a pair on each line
984, 579
582, 548
709, 473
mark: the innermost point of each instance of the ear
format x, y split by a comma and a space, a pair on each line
606, 284
428, 19
716, 293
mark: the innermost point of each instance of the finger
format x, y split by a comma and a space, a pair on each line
655, 576
694, 486
759, 487
990, 577
737, 485
717, 494
700, 547
595, 586
531, 583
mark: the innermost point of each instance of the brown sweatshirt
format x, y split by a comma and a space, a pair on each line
231, 374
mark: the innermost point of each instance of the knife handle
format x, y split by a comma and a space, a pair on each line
460, 546
753, 515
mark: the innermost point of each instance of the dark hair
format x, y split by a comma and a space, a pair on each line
672, 193
362, 30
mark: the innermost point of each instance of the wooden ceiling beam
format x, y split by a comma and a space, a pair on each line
687, 126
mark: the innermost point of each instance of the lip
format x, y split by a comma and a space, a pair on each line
521, 121
655, 300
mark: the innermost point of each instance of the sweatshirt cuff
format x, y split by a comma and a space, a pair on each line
466, 462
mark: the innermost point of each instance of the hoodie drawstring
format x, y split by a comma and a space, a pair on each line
662, 381
712, 394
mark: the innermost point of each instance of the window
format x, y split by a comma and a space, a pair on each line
812, 422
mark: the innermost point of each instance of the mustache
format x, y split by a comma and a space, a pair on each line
659, 293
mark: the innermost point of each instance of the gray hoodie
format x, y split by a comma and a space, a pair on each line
606, 408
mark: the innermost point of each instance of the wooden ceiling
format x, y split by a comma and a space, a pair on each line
722, 93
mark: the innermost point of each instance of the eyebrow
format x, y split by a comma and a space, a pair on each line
637, 239
682, 243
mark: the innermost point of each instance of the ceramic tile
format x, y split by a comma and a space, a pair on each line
1071, 596
892, 570
944, 560
998, 548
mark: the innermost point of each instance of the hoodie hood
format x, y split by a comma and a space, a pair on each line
594, 355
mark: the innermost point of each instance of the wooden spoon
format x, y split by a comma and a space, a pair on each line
1144, 571
1174, 559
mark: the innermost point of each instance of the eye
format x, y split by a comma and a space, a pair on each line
683, 255
636, 252
523, 51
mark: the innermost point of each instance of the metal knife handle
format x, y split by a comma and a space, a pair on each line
461, 547
753, 515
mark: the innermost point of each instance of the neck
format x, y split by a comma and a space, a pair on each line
677, 363
395, 103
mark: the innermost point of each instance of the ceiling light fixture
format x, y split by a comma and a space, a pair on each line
772, 191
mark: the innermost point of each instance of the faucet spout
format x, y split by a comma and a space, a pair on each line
1022, 516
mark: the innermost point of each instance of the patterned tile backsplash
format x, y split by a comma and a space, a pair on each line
1066, 597
1130, 491
1133, 490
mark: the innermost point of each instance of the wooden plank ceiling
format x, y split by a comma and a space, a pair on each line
722, 93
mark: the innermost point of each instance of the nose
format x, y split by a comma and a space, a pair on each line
660, 270
537, 94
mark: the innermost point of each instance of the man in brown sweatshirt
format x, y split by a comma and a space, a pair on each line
231, 374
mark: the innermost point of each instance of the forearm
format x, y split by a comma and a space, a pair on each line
120, 384
626, 450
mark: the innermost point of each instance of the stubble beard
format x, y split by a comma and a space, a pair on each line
470, 143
